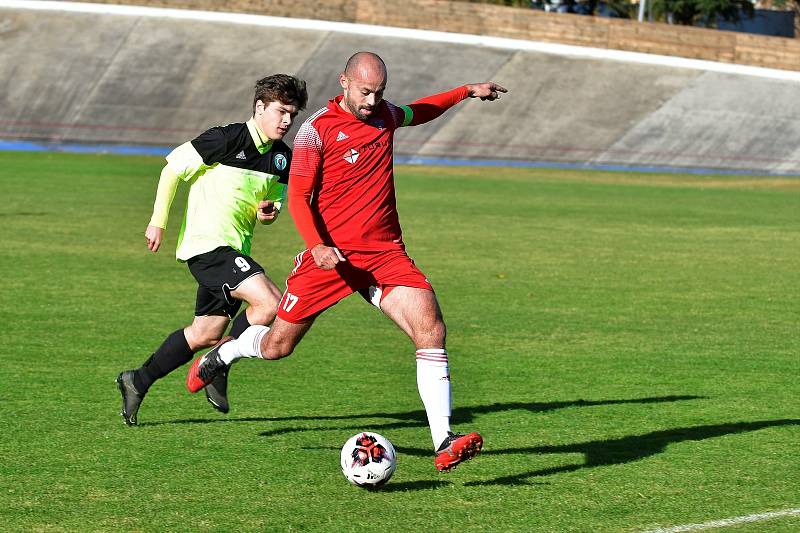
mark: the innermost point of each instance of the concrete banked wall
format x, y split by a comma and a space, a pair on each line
73, 77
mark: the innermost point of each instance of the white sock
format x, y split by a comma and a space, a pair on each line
433, 382
247, 345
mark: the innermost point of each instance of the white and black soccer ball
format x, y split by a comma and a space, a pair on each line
368, 460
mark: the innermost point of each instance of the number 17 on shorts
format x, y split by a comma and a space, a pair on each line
288, 302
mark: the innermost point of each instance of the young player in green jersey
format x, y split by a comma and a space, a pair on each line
237, 175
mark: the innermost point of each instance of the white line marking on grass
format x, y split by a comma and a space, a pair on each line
728, 521
406, 33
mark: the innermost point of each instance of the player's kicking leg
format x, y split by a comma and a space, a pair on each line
417, 313
295, 316
208, 367
255, 342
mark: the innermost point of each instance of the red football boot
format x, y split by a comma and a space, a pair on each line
205, 368
457, 448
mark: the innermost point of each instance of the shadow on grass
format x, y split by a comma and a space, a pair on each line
596, 453
417, 418
24, 214
208, 420
460, 415
415, 485
617, 451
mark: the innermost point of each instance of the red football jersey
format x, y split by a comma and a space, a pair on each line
341, 185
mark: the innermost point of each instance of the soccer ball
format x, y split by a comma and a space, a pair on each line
368, 460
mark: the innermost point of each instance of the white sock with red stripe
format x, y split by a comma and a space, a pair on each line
433, 382
247, 345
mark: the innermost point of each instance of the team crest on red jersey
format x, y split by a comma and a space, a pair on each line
351, 156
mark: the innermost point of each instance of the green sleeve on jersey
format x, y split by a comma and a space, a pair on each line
409, 115
185, 161
167, 185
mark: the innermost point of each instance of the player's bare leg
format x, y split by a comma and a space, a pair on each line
257, 341
205, 331
417, 313
262, 297
282, 338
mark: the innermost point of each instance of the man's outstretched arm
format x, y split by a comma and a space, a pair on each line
428, 108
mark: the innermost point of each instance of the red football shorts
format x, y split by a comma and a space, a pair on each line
310, 289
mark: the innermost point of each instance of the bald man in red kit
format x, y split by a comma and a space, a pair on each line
342, 199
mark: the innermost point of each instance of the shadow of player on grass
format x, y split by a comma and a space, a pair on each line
460, 415
617, 451
417, 418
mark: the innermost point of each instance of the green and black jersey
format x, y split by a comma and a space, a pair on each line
230, 169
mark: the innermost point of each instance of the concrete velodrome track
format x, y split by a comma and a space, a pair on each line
147, 80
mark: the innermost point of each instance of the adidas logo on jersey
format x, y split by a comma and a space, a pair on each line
351, 156
241, 155
342, 136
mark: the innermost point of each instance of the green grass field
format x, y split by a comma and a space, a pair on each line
626, 343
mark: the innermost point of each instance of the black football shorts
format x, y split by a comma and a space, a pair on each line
219, 272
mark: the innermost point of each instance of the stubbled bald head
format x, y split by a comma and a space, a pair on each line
363, 82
